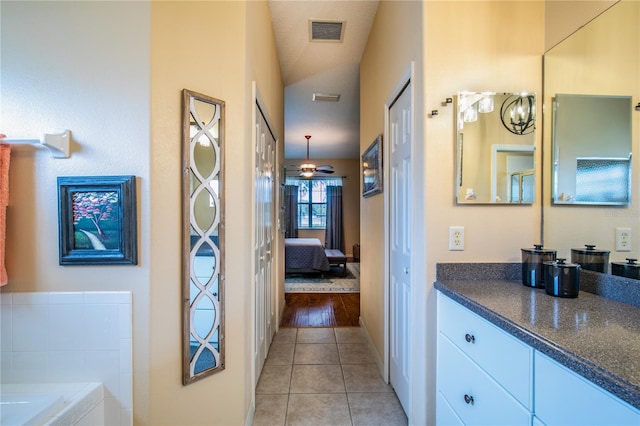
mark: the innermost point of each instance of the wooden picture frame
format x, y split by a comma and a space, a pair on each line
97, 220
372, 168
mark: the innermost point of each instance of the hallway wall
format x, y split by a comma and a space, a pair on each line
466, 45
225, 47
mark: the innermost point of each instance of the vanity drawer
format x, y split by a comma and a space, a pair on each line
471, 393
505, 358
563, 397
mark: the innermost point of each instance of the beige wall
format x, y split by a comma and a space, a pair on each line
584, 64
120, 94
238, 48
349, 168
561, 17
64, 66
473, 46
394, 48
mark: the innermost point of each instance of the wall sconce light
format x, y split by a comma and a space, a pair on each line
518, 114
485, 104
470, 113
638, 107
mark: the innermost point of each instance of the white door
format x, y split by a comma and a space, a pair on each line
400, 128
264, 234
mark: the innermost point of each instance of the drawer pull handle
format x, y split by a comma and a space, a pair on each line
468, 399
470, 338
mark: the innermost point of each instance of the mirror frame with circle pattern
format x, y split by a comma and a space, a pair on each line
202, 236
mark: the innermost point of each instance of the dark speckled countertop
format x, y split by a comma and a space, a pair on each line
594, 336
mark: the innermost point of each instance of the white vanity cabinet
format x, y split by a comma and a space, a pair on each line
487, 376
484, 374
565, 398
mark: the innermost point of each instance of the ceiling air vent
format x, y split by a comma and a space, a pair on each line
326, 30
326, 97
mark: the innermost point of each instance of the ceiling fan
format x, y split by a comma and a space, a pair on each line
308, 169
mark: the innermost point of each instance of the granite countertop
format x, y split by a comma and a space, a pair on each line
594, 336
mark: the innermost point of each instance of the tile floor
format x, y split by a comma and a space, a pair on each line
324, 376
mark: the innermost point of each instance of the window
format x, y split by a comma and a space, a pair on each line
312, 201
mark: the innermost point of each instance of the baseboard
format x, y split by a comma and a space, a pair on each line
379, 361
251, 413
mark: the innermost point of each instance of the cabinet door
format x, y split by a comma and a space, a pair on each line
445, 416
506, 359
563, 397
474, 396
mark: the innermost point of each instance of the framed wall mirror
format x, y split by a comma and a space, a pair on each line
203, 236
591, 149
495, 150
591, 139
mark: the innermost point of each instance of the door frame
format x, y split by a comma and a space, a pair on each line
257, 102
408, 77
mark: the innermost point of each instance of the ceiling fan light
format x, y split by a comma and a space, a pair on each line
307, 174
308, 166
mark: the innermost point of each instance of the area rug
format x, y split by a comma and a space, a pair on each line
332, 282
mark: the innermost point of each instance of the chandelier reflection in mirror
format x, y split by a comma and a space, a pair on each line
203, 242
518, 114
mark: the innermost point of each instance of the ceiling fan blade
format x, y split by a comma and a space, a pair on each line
325, 167
327, 172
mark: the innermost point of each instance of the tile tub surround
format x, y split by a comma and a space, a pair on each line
70, 337
596, 337
323, 376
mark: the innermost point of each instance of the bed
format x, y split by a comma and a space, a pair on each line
303, 255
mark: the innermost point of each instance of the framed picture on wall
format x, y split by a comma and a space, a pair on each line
372, 168
97, 220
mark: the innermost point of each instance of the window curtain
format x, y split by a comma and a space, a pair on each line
334, 234
291, 211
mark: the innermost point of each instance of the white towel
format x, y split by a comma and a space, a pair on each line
5, 158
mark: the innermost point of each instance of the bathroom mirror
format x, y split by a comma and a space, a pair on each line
495, 148
591, 149
598, 64
203, 236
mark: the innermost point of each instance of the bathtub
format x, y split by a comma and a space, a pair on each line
51, 404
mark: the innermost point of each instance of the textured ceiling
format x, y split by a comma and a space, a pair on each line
321, 67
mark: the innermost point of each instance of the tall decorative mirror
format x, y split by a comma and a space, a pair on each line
203, 236
495, 148
591, 139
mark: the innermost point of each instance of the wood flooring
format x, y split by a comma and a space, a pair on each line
321, 310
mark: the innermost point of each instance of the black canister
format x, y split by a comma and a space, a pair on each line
532, 262
562, 279
631, 269
590, 258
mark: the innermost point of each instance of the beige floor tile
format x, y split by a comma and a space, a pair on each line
280, 354
321, 410
316, 379
364, 378
355, 353
376, 409
274, 379
316, 335
286, 335
271, 410
316, 353
349, 335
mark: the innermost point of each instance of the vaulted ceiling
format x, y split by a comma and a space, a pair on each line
321, 67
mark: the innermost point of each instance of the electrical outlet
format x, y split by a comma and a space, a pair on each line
456, 238
623, 239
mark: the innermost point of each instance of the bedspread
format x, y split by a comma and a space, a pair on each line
305, 254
